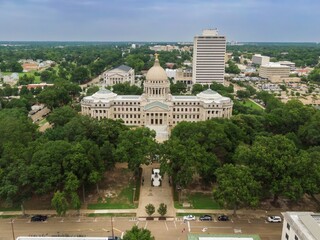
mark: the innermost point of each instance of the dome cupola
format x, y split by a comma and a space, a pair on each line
156, 85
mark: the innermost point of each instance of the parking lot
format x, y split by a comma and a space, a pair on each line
162, 230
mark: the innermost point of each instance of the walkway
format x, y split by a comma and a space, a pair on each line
155, 195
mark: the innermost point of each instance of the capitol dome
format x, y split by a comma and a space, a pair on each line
156, 73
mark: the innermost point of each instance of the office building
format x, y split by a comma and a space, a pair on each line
301, 226
274, 69
209, 51
260, 60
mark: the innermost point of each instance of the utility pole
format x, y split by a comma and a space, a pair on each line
12, 230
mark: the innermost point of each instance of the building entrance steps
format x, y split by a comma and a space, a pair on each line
155, 195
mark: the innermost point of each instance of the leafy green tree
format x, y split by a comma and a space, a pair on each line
126, 89
178, 88
162, 210
80, 75
138, 234
61, 116
236, 187
92, 90
232, 68
60, 203
309, 133
197, 88
150, 209
243, 94
135, 147
14, 67
277, 165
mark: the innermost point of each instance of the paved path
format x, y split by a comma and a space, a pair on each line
155, 195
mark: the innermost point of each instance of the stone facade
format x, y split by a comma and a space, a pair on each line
117, 75
156, 108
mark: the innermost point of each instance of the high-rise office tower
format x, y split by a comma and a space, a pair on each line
208, 57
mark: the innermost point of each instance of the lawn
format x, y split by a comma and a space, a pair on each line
122, 201
250, 104
200, 200
37, 78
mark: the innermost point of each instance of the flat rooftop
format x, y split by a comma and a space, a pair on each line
222, 237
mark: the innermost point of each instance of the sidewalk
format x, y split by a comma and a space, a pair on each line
70, 212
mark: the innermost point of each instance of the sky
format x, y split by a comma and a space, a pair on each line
159, 20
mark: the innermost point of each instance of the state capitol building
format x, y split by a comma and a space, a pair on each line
156, 108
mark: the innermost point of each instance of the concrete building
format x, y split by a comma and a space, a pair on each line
185, 76
274, 69
156, 108
260, 60
119, 74
301, 226
292, 65
209, 51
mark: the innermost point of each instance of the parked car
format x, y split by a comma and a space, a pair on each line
189, 218
274, 219
205, 218
223, 218
39, 218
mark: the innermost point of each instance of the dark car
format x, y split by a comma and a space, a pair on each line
205, 218
39, 218
223, 218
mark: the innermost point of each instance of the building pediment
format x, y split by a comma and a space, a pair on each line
156, 106
116, 75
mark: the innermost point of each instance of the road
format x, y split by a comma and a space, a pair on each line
162, 230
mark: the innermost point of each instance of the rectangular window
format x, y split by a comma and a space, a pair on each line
296, 238
287, 236
288, 226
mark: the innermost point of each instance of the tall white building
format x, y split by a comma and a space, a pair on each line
260, 60
301, 226
209, 51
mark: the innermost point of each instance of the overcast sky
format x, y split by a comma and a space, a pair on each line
159, 20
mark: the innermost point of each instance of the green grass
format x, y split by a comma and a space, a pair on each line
4, 209
199, 201
250, 104
31, 73
123, 201
42, 122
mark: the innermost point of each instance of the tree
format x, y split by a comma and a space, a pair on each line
92, 90
236, 187
178, 88
60, 203
138, 234
277, 165
243, 94
232, 68
162, 210
135, 147
61, 116
309, 133
197, 88
80, 75
150, 209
